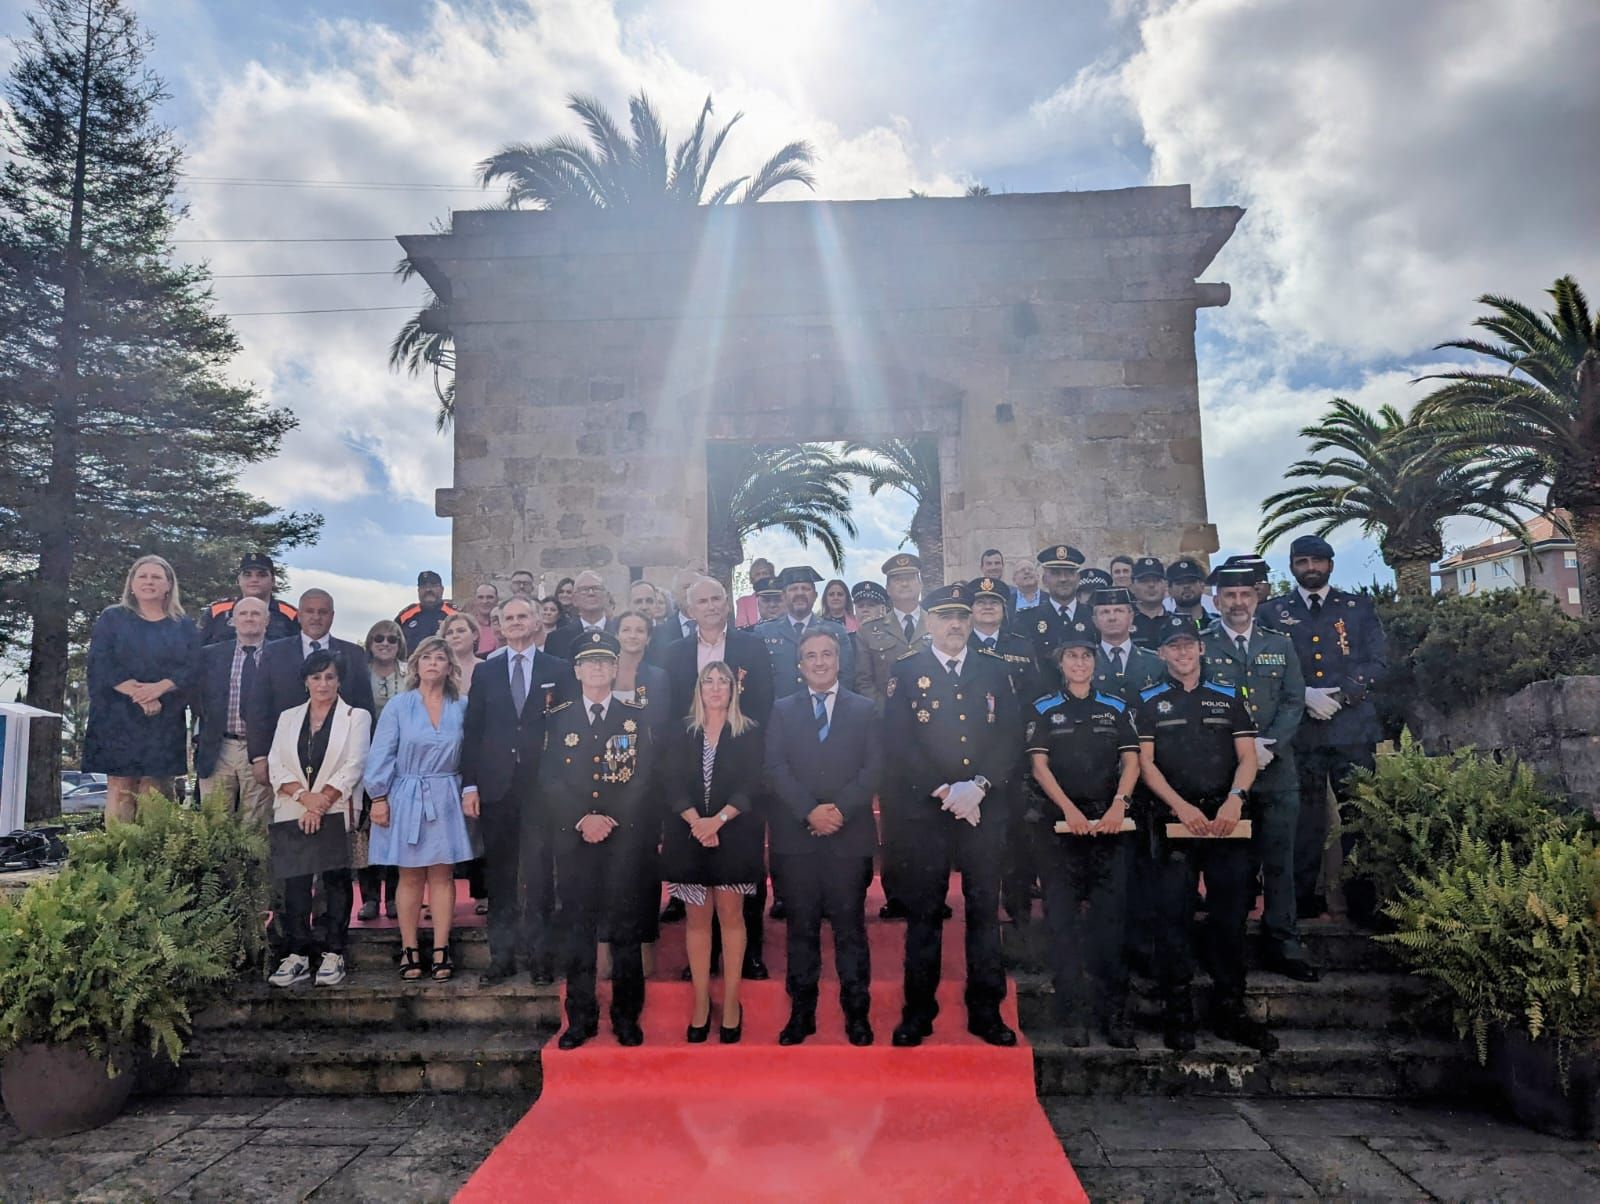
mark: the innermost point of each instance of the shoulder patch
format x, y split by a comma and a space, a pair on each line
222, 607
560, 706
628, 702
1049, 700
1111, 700
409, 612
284, 609
908, 654
1150, 692
991, 652
1220, 688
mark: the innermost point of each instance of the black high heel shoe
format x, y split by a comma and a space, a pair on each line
698, 1033
730, 1036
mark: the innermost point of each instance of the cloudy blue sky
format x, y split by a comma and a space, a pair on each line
1397, 160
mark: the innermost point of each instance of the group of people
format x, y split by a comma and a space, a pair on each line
1100, 739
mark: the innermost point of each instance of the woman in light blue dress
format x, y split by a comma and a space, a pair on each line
415, 788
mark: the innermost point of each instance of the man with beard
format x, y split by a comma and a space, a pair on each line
1186, 585
1340, 642
1149, 601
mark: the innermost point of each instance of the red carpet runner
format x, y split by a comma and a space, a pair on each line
952, 1120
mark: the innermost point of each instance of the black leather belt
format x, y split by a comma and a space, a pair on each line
232, 736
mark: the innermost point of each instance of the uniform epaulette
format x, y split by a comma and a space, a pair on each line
629, 702
1220, 688
908, 654
560, 706
284, 609
1049, 700
991, 652
1149, 692
409, 612
222, 606
1110, 700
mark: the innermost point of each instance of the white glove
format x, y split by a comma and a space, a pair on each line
1264, 754
1323, 704
964, 800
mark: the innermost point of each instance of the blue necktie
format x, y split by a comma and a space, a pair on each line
822, 716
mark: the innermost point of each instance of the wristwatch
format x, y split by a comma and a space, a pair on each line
1237, 791
725, 815
1122, 798
981, 782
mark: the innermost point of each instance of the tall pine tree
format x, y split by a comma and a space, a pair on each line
119, 431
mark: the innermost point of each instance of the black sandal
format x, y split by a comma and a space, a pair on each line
443, 968
411, 964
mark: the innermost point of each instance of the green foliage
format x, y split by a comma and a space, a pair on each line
220, 860
110, 956
1510, 937
1449, 651
801, 488
1411, 813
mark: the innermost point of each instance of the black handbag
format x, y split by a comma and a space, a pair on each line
296, 854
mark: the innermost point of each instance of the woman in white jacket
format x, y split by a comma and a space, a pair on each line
318, 755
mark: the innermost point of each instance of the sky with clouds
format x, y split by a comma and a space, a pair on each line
1397, 160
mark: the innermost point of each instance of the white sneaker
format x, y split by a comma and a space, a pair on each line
291, 970
331, 972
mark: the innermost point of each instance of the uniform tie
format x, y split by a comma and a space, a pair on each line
1316, 605
1116, 662
911, 630
519, 684
316, 645
951, 666
987, 642
822, 716
1244, 646
799, 628
596, 709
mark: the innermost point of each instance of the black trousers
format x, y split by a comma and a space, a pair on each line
598, 889
930, 846
1019, 871
821, 883
1085, 880
328, 930
1319, 769
378, 882
519, 876
1229, 871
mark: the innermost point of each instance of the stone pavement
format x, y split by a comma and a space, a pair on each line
1241, 1149
396, 1149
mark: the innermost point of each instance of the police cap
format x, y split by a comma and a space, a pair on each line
1247, 560
1113, 595
1077, 635
429, 577
868, 593
1311, 545
1234, 574
1148, 566
766, 585
254, 560
799, 574
1185, 568
949, 599
596, 643
901, 562
1177, 627
1094, 579
987, 587
1061, 556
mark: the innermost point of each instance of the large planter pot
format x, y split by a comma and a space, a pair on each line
1530, 1081
52, 1090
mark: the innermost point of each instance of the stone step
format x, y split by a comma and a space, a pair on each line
1308, 1062
486, 1058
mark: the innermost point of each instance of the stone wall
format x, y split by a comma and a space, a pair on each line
1552, 725
1046, 340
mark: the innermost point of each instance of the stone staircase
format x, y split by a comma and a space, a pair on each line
1363, 1030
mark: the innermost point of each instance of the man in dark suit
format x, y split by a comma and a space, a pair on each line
782, 633
952, 729
589, 596
278, 685
501, 747
746, 656
227, 676
824, 760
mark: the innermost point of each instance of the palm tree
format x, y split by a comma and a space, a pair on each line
912, 467
1399, 481
1541, 416
802, 488
424, 341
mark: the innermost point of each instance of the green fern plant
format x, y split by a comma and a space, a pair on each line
108, 956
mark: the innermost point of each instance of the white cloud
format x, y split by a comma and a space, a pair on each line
358, 602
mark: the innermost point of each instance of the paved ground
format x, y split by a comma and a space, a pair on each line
395, 1149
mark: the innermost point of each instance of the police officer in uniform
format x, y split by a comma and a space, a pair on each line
782, 635
1186, 586
1241, 652
1197, 757
952, 730
256, 576
1340, 641
1149, 601
1090, 580
427, 614
1048, 623
871, 601
1121, 667
989, 635
594, 778
769, 600
1257, 566
1085, 758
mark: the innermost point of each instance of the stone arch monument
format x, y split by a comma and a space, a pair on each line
1045, 340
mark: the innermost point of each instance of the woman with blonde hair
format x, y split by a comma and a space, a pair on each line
143, 656
460, 634
712, 850
415, 786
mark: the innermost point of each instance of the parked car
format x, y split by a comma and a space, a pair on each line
71, 779
87, 796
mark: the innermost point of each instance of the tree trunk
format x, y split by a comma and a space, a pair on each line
1583, 502
927, 532
52, 596
1586, 534
1412, 578
724, 553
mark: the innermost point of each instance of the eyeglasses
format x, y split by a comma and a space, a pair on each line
590, 589
385, 639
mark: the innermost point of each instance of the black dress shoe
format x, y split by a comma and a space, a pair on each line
801, 1025
495, 975
576, 1034
1241, 1030
756, 970
993, 1030
892, 910
673, 911
857, 1030
779, 911
627, 1032
945, 912
390, 910
1296, 968
368, 912
908, 1034
730, 1036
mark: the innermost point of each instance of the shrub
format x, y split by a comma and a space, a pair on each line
1410, 813
219, 859
1449, 651
1510, 939
110, 956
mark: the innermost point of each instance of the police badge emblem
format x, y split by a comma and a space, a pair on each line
1164, 706
628, 725
1043, 627
924, 682
923, 717
572, 740
1058, 719
890, 690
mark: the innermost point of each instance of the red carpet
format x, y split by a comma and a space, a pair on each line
952, 1120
